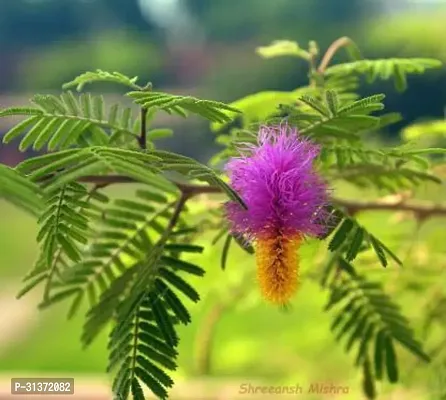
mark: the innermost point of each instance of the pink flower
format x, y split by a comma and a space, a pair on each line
285, 198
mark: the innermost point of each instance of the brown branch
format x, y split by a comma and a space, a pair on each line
179, 205
189, 189
142, 140
331, 51
420, 208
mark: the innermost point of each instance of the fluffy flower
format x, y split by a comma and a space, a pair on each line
285, 198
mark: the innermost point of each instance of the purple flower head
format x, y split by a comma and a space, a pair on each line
277, 181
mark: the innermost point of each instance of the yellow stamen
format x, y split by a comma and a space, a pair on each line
278, 266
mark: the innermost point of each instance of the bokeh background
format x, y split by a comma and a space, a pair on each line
206, 48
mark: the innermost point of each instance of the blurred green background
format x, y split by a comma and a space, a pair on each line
206, 48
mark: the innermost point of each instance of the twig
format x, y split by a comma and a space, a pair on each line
191, 190
142, 140
179, 205
422, 209
331, 51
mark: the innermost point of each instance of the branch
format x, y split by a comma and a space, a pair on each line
179, 205
143, 134
142, 139
189, 189
331, 51
420, 208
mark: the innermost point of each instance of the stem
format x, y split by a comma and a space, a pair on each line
53, 266
135, 345
176, 215
420, 208
331, 51
142, 140
191, 190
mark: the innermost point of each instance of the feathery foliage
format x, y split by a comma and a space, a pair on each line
366, 318
396, 68
18, 190
124, 258
180, 105
69, 120
101, 76
280, 48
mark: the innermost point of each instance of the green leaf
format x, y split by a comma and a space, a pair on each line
391, 362
18, 129
355, 245
316, 105
379, 354
179, 284
371, 103
400, 78
173, 301
368, 381
13, 111
31, 285
181, 265
101, 76
163, 320
353, 50
364, 314
157, 356
181, 247
225, 251
137, 391
384, 248
346, 267
152, 383
62, 227
398, 68
211, 110
341, 234
156, 134
332, 101
280, 48
58, 297
432, 129
259, 106
18, 190
67, 120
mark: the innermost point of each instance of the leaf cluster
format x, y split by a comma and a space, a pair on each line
367, 320
123, 259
